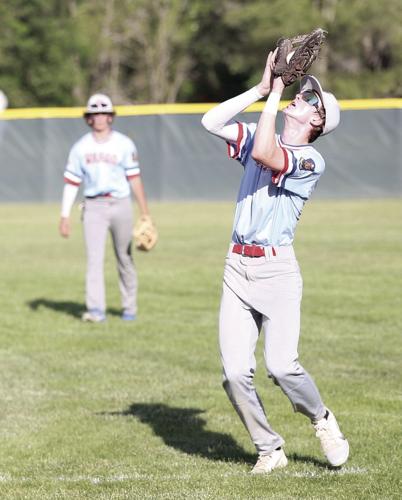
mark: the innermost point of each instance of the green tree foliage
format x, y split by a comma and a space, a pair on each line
362, 55
366, 49
38, 52
57, 52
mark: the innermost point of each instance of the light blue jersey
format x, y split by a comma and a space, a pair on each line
269, 204
105, 167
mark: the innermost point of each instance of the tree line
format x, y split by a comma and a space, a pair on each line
57, 52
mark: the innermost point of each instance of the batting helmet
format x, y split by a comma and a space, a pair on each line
99, 103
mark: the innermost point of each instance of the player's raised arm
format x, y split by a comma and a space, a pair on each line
265, 150
219, 120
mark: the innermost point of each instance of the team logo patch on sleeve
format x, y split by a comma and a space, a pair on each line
307, 164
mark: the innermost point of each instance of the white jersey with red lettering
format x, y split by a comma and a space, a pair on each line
269, 204
105, 167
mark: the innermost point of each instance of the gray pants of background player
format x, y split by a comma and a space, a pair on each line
101, 215
264, 293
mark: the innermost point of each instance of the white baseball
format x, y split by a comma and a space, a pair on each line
3, 101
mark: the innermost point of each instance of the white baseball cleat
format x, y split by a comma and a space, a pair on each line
333, 443
93, 316
267, 463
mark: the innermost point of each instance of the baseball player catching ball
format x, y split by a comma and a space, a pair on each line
106, 161
262, 285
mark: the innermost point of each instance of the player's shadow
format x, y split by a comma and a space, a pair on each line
69, 307
307, 459
184, 430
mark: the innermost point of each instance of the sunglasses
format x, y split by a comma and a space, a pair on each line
311, 98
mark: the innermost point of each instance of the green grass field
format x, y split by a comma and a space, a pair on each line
137, 411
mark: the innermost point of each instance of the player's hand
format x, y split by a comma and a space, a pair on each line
64, 227
278, 85
264, 87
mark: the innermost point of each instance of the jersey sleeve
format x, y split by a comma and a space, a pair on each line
302, 169
240, 149
130, 160
73, 173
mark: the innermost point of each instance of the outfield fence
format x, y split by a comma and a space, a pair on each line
181, 161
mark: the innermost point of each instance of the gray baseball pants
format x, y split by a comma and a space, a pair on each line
100, 215
264, 293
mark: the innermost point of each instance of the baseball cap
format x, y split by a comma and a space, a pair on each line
99, 103
329, 102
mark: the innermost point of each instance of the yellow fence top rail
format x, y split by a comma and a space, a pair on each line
178, 109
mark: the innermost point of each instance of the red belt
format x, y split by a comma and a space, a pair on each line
249, 250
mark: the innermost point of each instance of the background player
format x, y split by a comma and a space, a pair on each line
107, 162
262, 285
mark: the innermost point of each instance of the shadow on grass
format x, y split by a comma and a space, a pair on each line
71, 308
183, 429
307, 459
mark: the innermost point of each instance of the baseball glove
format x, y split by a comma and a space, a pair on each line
295, 55
145, 234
